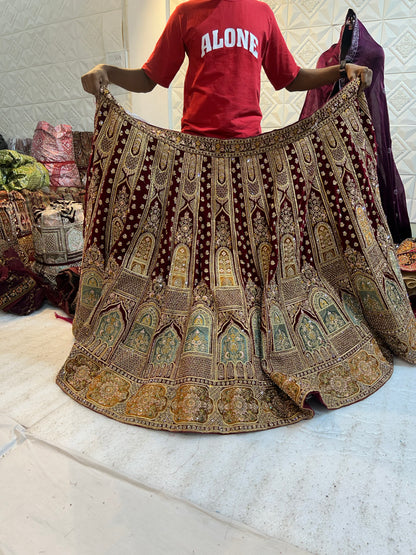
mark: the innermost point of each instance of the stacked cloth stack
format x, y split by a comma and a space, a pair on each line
41, 218
57, 238
225, 282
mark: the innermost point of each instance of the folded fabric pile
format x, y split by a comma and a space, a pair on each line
58, 238
53, 146
19, 171
21, 291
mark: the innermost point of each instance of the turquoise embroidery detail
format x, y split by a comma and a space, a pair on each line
234, 346
198, 337
110, 327
310, 334
328, 312
143, 330
281, 337
166, 346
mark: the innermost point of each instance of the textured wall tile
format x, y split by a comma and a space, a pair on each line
409, 182
281, 12
306, 45
399, 41
399, 10
401, 98
177, 106
55, 43
310, 13
46, 46
113, 31
23, 15
366, 10
403, 140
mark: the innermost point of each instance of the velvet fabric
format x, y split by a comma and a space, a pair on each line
224, 282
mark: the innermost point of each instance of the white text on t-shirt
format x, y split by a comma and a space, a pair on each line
232, 37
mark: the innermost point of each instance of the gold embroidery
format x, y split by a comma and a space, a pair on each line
225, 281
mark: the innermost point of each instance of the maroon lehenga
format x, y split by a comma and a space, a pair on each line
225, 282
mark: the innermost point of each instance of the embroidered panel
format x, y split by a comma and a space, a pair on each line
225, 282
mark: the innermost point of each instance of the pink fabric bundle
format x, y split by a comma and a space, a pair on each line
53, 147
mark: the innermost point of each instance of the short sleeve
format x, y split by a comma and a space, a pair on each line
278, 62
169, 53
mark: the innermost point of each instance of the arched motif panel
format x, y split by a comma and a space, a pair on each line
140, 261
179, 270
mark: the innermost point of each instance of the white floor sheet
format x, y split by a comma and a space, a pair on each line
75, 482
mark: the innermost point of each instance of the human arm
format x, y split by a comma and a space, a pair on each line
134, 80
160, 68
307, 79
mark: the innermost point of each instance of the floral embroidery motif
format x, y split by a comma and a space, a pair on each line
225, 268
338, 382
153, 219
412, 335
355, 260
184, 233
121, 203
165, 347
311, 334
286, 220
393, 293
289, 262
143, 255
198, 337
179, 269
158, 290
108, 389
281, 338
149, 401
261, 230
365, 226
80, 372
203, 294
110, 327
192, 404
223, 234
277, 403
326, 242
369, 295
91, 289
234, 346
253, 293
365, 368
265, 253
316, 209
237, 404
143, 330
288, 384
353, 308
328, 312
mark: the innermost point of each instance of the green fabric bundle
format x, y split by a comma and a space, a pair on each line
19, 171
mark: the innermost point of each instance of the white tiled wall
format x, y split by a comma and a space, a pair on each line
310, 27
45, 46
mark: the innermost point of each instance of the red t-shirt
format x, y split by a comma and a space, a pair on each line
227, 43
